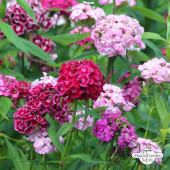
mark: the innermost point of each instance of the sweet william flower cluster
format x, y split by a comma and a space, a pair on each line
112, 96
21, 22
42, 143
115, 34
140, 143
114, 127
82, 124
85, 11
80, 80
157, 70
42, 99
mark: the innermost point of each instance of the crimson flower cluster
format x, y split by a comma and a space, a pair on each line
80, 80
114, 127
21, 21
42, 99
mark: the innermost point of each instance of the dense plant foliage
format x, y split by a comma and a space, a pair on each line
84, 85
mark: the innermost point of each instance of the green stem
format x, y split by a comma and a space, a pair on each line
114, 7
147, 126
110, 68
68, 143
43, 166
22, 64
140, 166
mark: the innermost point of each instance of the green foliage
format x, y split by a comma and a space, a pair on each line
149, 13
67, 39
2, 9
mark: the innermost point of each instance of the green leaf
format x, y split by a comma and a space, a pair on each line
2, 9
67, 39
167, 146
7, 137
80, 50
12, 37
64, 129
23, 44
152, 35
154, 48
52, 132
14, 155
149, 14
161, 109
5, 105
37, 51
108, 8
3, 43
164, 133
86, 158
25, 161
25, 5
138, 55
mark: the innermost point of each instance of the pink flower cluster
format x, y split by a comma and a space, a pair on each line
80, 124
61, 4
80, 29
42, 99
131, 89
21, 21
84, 11
158, 70
115, 34
113, 126
80, 80
42, 143
112, 96
10, 87
118, 2
141, 143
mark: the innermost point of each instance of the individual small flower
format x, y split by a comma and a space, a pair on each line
42, 143
80, 80
113, 126
115, 34
112, 96
157, 70
81, 124
118, 2
141, 143
80, 29
84, 11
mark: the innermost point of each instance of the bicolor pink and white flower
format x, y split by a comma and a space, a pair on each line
115, 34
